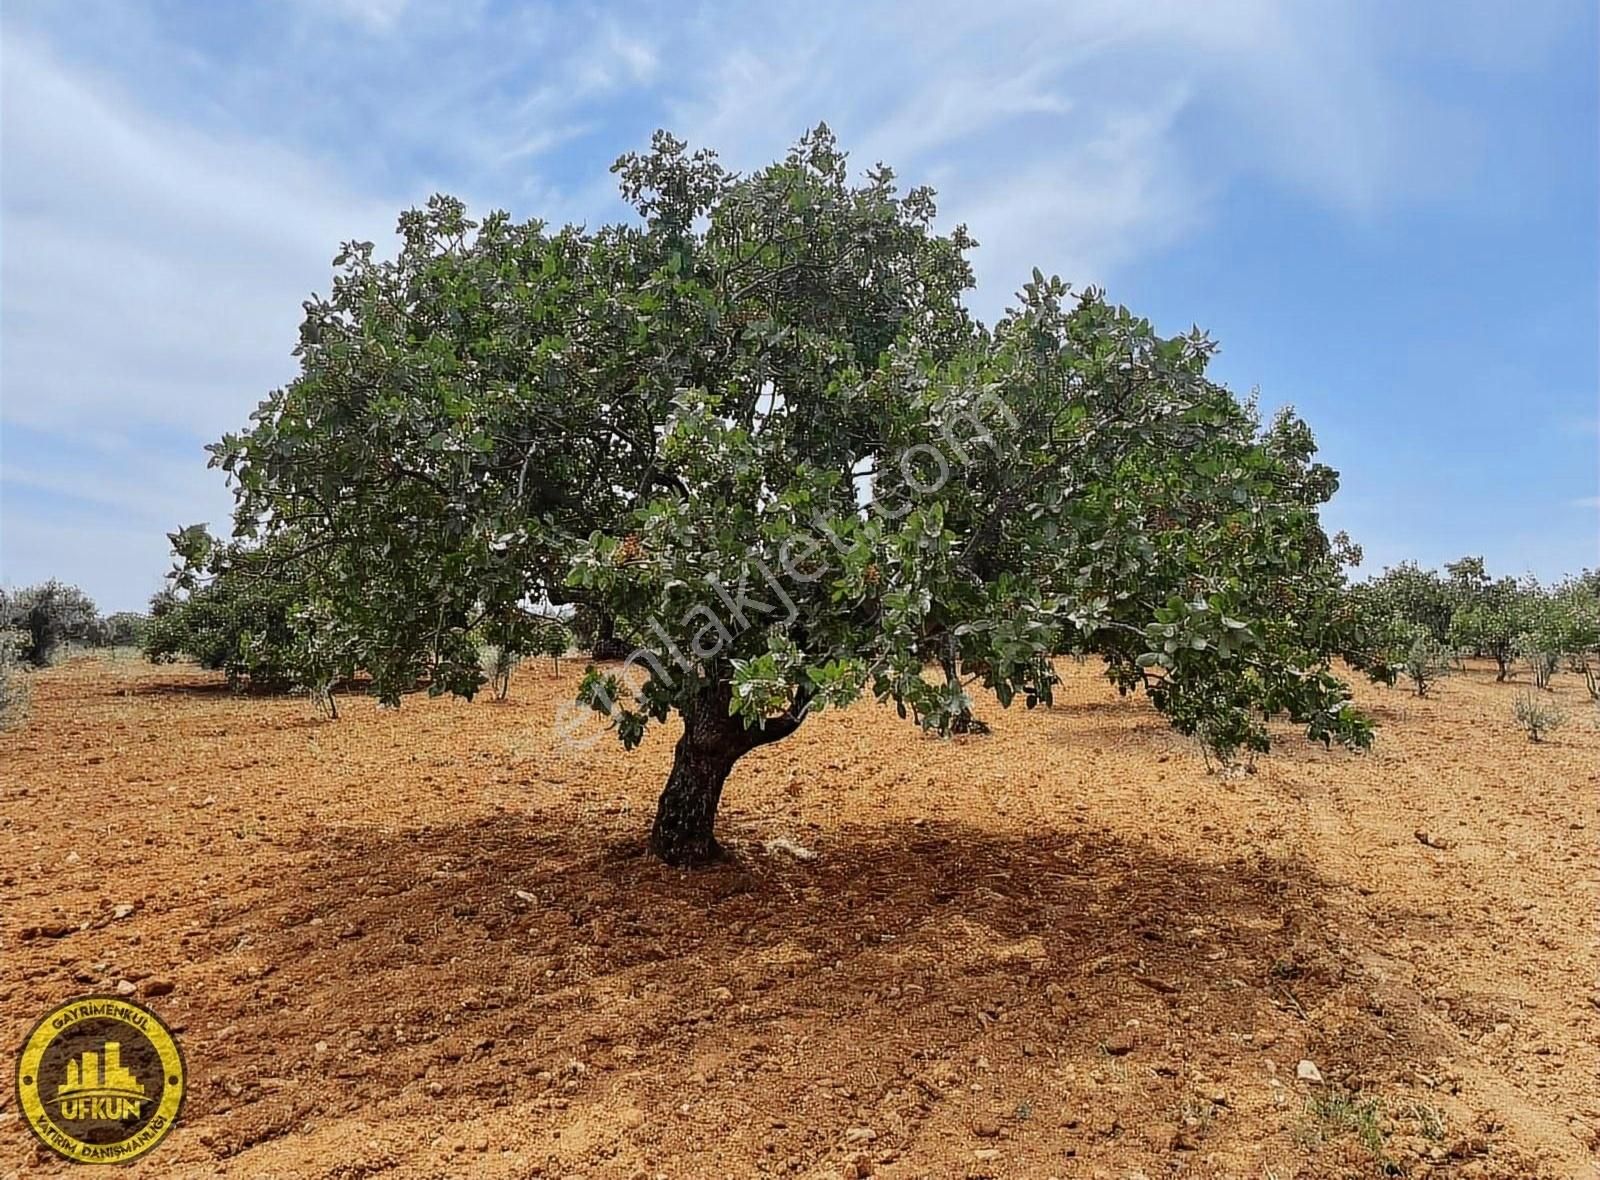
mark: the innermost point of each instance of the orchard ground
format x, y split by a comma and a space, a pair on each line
429, 943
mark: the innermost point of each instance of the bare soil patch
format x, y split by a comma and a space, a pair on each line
428, 943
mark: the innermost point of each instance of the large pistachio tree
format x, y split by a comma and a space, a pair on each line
758, 427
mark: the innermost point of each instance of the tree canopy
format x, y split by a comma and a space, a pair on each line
758, 427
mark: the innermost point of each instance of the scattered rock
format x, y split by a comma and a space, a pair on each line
126, 987
859, 1135
122, 910
1156, 985
785, 845
1440, 842
73, 858
986, 1154
1121, 1043
984, 1129
158, 987
48, 930
1307, 1071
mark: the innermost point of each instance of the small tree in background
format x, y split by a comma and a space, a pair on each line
555, 640
1543, 634
13, 679
1488, 614
230, 608
1576, 606
1418, 596
49, 616
125, 628
1426, 660
1539, 716
502, 663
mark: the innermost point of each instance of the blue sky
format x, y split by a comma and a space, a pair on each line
1386, 214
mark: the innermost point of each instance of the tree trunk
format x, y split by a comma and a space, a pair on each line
606, 644
686, 814
687, 811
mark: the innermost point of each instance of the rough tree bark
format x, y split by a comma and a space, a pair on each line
712, 741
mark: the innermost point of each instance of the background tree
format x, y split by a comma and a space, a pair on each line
1575, 606
1488, 614
14, 685
231, 608
1426, 660
125, 628
1417, 596
555, 641
48, 616
759, 431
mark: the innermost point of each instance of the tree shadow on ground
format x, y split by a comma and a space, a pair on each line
480, 958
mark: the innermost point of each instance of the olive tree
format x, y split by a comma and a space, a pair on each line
47, 617
758, 429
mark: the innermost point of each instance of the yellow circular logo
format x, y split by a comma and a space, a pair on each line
100, 1080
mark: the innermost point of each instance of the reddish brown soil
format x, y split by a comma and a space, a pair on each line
427, 943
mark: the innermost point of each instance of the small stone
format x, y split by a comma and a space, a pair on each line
1120, 1044
632, 1117
122, 910
321, 1046
1307, 1071
126, 987
73, 858
158, 987
986, 1154
722, 995
859, 1135
984, 1129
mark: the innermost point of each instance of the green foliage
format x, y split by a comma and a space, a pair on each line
124, 628
1488, 614
758, 426
1334, 1114
1540, 716
48, 616
1419, 596
231, 608
554, 639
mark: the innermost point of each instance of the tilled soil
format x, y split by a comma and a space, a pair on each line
429, 943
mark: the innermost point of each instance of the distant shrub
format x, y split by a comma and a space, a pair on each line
1542, 654
240, 621
124, 628
13, 680
1426, 661
1538, 715
48, 616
